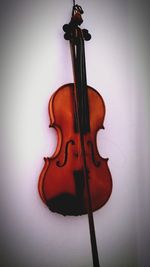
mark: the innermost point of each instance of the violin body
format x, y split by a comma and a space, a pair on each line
62, 184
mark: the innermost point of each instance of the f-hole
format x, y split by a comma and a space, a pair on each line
96, 163
61, 164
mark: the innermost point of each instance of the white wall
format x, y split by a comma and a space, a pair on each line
35, 61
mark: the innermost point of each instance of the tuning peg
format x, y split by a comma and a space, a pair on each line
67, 36
86, 35
67, 28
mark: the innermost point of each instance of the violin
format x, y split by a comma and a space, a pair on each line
76, 180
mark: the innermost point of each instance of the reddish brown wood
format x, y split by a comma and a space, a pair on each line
56, 181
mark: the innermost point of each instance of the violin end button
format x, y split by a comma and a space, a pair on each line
103, 127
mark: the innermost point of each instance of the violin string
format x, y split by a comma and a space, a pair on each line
81, 75
84, 108
79, 107
76, 110
84, 102
74, 2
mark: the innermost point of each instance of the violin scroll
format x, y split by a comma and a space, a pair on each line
71, 29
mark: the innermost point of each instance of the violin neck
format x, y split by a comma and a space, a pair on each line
80, 85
